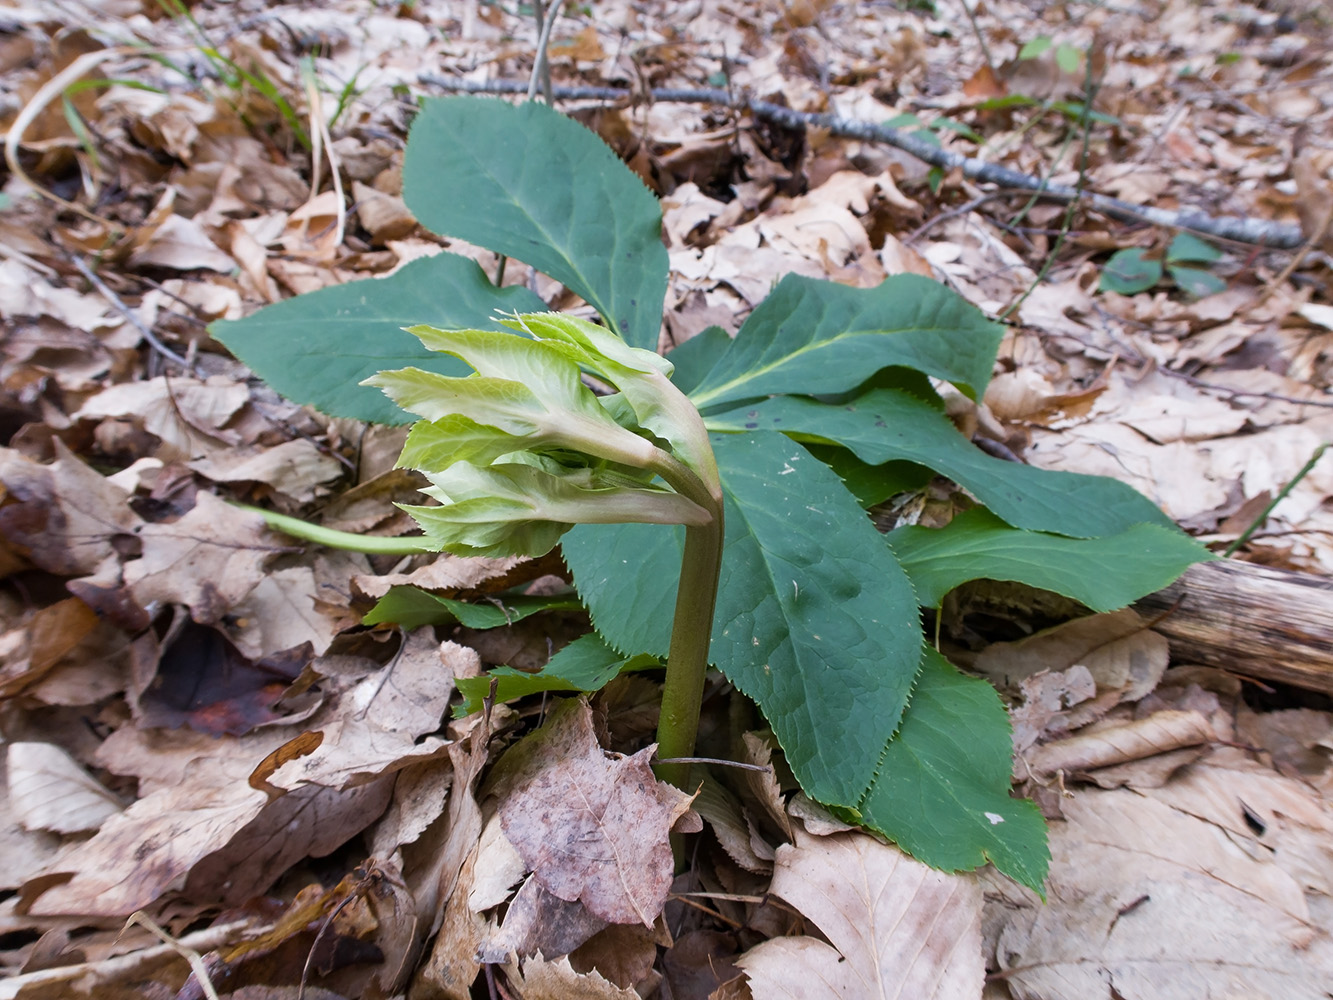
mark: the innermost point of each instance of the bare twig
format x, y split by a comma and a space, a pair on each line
1240, 230
130, 315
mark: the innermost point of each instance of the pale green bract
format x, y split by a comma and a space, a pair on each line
521, 451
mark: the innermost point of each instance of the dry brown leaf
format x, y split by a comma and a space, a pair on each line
48, 790
186, 414
380, 723
384, 216
147, 849
62, 516
182, 245
537, 922
722, 812
1118, 743
1118, 649
539, 979
24, 293
897, 927
26, 852
33, 650
208, 560
500, 867
444, 572
281, 612
592, 828
1147, 900
448, 876
294, 468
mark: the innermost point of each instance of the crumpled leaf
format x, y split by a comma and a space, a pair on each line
381, 722
898, 928
592, 828
62, 516
48, 790
208, 560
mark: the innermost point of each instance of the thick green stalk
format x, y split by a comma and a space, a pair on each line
691, 628
374, 545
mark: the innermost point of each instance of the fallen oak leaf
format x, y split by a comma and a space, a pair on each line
592, 828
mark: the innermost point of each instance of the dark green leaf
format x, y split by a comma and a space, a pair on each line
316, 348
696, 357
586, 664
1196, 282
528, 182
942, 790
818, 337
941, 124
886, 425
904, 120
1186, 248
412, 607
1129, 272
815, 620
871, 484
977, 545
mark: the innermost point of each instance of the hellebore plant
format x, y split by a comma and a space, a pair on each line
728, 480
522, 450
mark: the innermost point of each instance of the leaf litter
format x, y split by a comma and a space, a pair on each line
203, 731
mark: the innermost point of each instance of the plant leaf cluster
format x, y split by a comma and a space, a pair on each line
817, 613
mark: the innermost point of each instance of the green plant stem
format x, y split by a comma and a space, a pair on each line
374, 545
687, 661
1263, 515
692, 626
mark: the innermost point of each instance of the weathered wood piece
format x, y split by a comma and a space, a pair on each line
1249, 619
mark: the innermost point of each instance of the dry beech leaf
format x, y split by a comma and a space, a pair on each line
1104, 746
186, 414
592, 827
722, 812
500, 868
381, 722
898, 928
448, 879
208, 560
62, 516
1118, 649
281, 612
538, 922
182, 245
292, 468
1150, 899
48, 790
32, 651
538, 979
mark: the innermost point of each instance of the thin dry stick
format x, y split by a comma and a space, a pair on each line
1240, 230
322, 146
541, 69
130, 316
1316, 238
48, 92
189, 954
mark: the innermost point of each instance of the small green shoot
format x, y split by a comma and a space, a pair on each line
1133, 270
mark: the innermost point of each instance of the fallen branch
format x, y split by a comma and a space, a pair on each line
1239, 230
1254, 620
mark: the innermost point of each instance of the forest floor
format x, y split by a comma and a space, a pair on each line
196, 725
